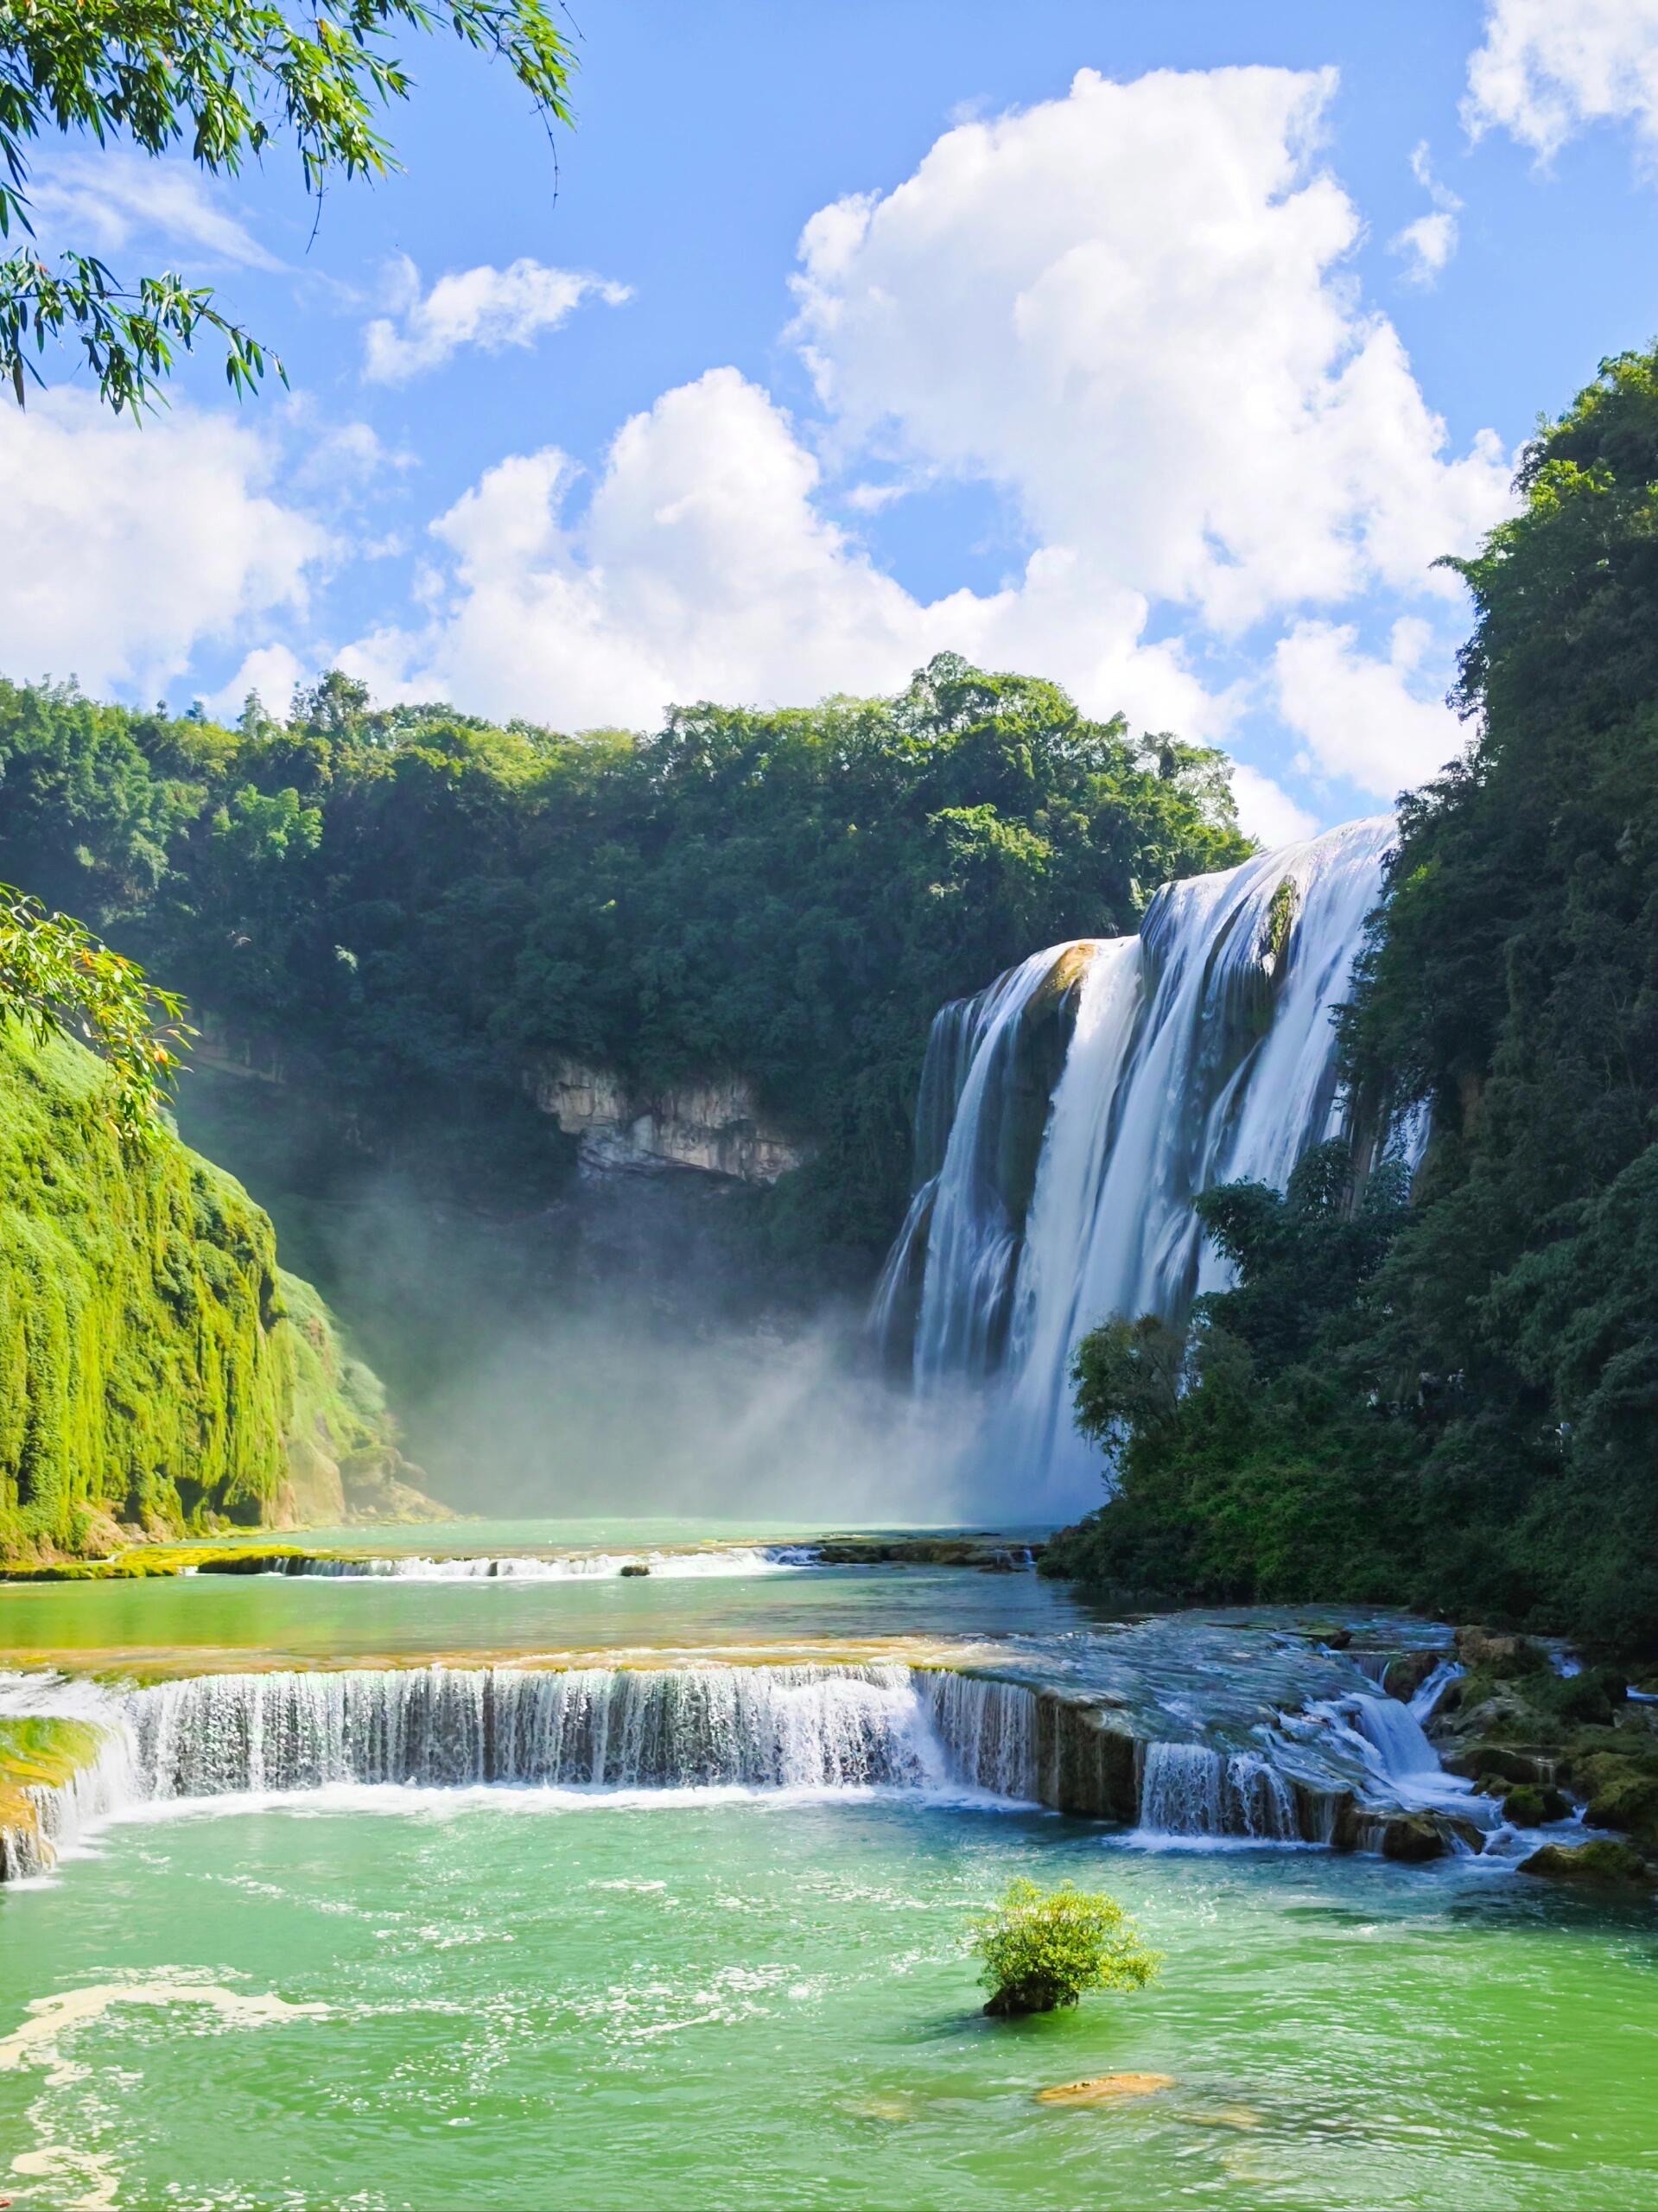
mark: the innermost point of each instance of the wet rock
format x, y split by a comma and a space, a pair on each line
1086, 1760
1504, 1656
1405, 1673
1106, 2090
1623, 1797
1497, 1762
1528, 1804
634, 1568
1602, 1861
1412, 1837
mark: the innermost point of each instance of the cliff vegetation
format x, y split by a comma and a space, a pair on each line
158, 1372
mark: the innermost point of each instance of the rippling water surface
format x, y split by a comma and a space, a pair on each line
534, 2001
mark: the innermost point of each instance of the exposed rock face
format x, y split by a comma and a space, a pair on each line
713, 1126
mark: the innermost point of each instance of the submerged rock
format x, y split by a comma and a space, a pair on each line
1106, 2090
1601, 1861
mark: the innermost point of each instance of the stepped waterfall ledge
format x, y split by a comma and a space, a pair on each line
1180, 1729
1071, 1112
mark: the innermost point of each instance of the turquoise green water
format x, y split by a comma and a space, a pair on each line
201, 1621
734, 2003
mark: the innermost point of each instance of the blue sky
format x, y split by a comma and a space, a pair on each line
1157, 350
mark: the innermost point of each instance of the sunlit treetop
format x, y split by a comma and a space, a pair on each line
225, 80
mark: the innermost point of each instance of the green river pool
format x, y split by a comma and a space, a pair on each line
503, 1999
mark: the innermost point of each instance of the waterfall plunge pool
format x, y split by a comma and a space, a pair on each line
761, 2001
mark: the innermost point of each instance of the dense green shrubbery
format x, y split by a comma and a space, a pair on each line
1457, 1406
154, 1366
1042, 1949
413, 907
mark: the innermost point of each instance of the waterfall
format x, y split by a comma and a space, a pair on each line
1201, 1050
988, 1730
765, 1728
1331, 1771
1397, 1735
945, 1287
1188, 1789
576, 1567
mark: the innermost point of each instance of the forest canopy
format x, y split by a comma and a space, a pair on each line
414, 907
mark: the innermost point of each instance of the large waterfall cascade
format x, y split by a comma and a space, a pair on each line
1201, 1050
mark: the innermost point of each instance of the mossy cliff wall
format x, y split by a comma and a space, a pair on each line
156, 1369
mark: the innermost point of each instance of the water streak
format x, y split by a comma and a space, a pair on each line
1188, 1789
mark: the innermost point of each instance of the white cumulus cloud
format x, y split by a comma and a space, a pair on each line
131, 548
1546, 68
1265, 811
701, 566
486, 307
1129, 309
1361, 716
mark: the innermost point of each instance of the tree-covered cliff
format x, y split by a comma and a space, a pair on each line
156, 1368
1457, 1404
413, 908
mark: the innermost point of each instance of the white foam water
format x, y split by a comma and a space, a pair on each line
732, 1560
1192, 1791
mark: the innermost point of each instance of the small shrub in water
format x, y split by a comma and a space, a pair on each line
1042, 1950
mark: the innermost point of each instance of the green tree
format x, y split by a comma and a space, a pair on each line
228, 80
56, 976
1044, 1949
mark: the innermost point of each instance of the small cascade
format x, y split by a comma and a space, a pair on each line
735, 1559
1404, 1767
988, 1730
67, 1809
1190, 1790
1396, 1736
1426, 1703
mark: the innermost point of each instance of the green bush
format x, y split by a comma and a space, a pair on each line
1042, 1951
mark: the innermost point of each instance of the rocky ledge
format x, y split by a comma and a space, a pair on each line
712, 1124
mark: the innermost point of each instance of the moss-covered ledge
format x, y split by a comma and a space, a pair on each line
37, 1752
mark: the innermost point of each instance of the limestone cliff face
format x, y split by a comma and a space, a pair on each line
713, 1126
